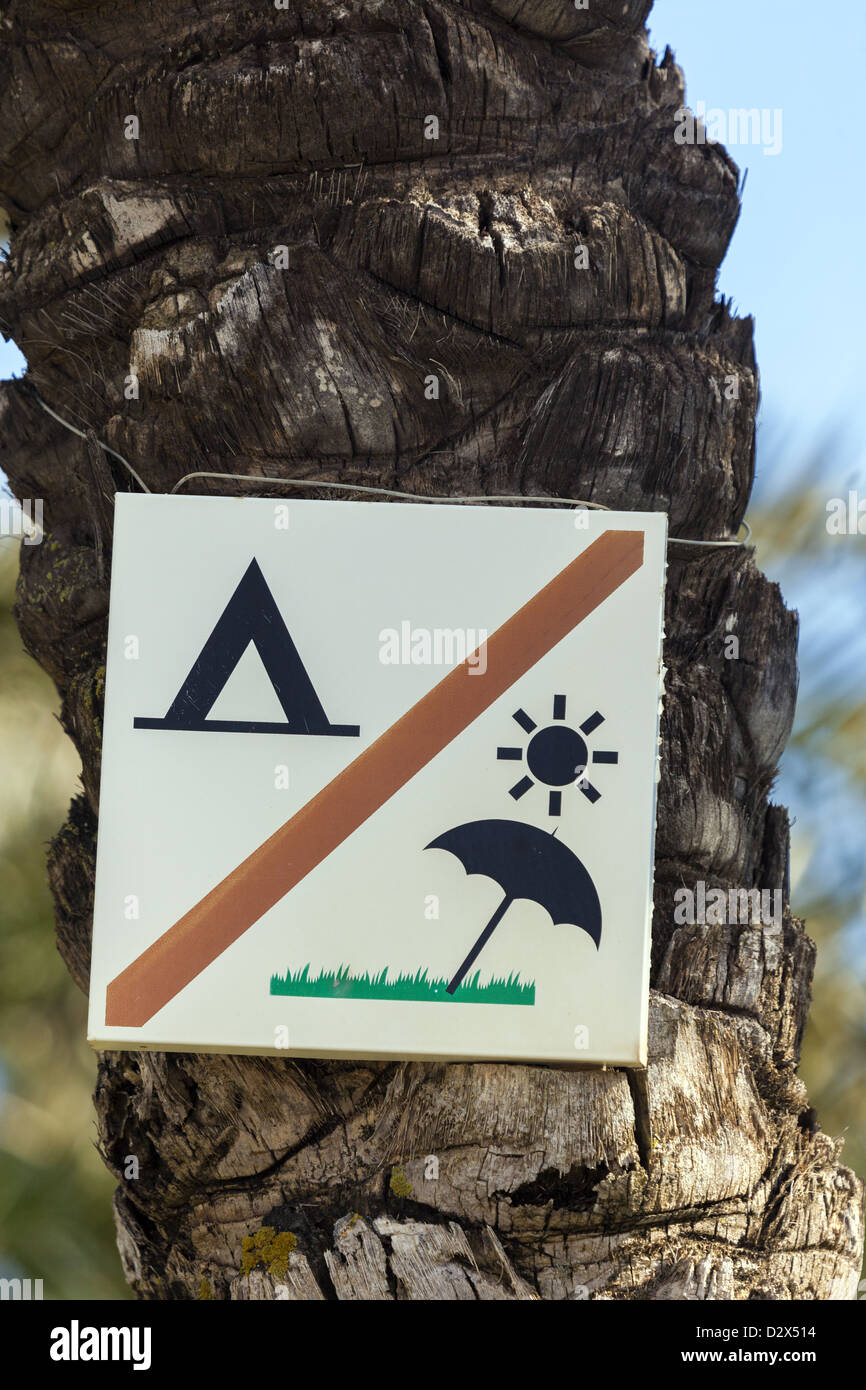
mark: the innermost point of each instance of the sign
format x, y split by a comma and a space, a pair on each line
378, 780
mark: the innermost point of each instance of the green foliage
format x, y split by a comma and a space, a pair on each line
55, 1193
417, 988
824, 778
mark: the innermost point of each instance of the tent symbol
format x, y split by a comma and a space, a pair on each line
251, 615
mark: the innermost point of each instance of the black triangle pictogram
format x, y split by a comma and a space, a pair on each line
251, 615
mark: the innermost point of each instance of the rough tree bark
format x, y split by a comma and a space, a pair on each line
153, 258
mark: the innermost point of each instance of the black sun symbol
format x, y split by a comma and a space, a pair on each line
556, 756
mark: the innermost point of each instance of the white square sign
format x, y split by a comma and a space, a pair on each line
378, 780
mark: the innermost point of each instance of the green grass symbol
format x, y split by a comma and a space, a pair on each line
417, 988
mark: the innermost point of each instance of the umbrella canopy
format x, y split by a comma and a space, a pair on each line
526, 863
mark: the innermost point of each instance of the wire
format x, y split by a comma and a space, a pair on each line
393, 492
81, 435
379, 491
454, 501
681, 540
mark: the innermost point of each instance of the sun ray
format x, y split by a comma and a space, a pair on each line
556, 755
521, 788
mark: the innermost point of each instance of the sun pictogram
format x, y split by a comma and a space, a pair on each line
557, 756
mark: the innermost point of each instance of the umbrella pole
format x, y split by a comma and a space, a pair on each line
481, 942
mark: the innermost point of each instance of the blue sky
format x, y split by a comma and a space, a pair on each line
795, 261
795, 264
12, 361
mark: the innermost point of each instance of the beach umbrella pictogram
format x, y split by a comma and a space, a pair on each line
526, 863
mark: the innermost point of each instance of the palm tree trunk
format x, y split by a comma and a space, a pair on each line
444, 246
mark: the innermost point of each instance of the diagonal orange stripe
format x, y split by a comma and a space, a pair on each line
335, 812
